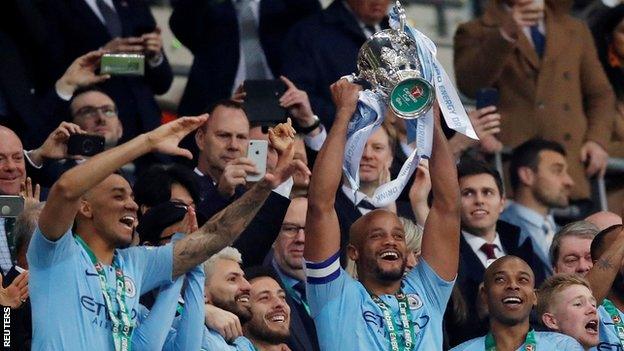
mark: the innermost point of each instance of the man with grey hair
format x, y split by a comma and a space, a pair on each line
570, 248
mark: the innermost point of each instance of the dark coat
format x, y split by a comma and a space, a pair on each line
319, 51
209, 29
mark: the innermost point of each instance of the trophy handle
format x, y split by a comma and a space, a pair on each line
402, 16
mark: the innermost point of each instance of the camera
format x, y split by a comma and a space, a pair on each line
85, 145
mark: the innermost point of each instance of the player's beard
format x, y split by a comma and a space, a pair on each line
389, 275
243, 313
262, 332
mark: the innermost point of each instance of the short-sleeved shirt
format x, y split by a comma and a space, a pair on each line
214, 341
68, 307
347, 318
609, 340
545, 341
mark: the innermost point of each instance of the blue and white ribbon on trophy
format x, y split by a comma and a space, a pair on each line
371, 110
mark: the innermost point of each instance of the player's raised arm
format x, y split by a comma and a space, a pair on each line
440, 243
322, 228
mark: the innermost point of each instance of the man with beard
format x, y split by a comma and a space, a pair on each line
565, 304
509, 293
385, 309
96, 284
268, 328
607, 284
227, 289
287, 263
540, 182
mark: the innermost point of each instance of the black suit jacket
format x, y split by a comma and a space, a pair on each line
470, 275
75, 30
320, 50
256, 240
210, 30
299, 339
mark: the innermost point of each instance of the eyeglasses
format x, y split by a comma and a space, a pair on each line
291, 230
93, 111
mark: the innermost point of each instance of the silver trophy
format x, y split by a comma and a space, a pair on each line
389, 61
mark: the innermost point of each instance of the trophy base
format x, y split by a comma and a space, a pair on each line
411, 98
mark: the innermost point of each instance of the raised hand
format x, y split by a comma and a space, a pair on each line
595, 159
297, 103
486, 122
165, 139
152, 44
234, 174
16, 293
55, 146
281, 136
189, 222
81, 73
130, 45
239, 95
31, 195
419, 192
285, 168
223, 322
345, 96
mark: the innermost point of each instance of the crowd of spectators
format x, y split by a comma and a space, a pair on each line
160, 241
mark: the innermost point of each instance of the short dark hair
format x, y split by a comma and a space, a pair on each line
527, 155
153, 187
254, 272
598, 242
86, 89
225, 103
469, 167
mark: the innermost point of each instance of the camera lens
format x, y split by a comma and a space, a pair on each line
88, 147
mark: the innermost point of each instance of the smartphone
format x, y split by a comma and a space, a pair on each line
257, 152
487, 97
123, 64
11, 205
262, 101
85, 144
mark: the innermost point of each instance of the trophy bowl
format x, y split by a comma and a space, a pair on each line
388, 60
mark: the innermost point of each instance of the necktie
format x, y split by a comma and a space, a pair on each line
488, 249
539, 40
111, 19
366, 205
250, 41
549, 233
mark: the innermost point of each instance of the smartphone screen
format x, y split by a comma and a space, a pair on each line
257, 152
262, 101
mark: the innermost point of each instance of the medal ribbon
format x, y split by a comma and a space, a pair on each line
618, 325
392, 327
122, 329
529, 343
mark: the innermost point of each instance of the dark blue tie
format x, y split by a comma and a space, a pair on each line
539, 40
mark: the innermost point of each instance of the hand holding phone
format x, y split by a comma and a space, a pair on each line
257, 152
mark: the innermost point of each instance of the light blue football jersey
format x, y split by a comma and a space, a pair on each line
68, 308
609, 340
546, 341
347, 318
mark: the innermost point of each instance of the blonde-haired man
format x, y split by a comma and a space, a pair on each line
566, 304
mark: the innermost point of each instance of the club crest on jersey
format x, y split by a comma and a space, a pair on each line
414, 301
130, 288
